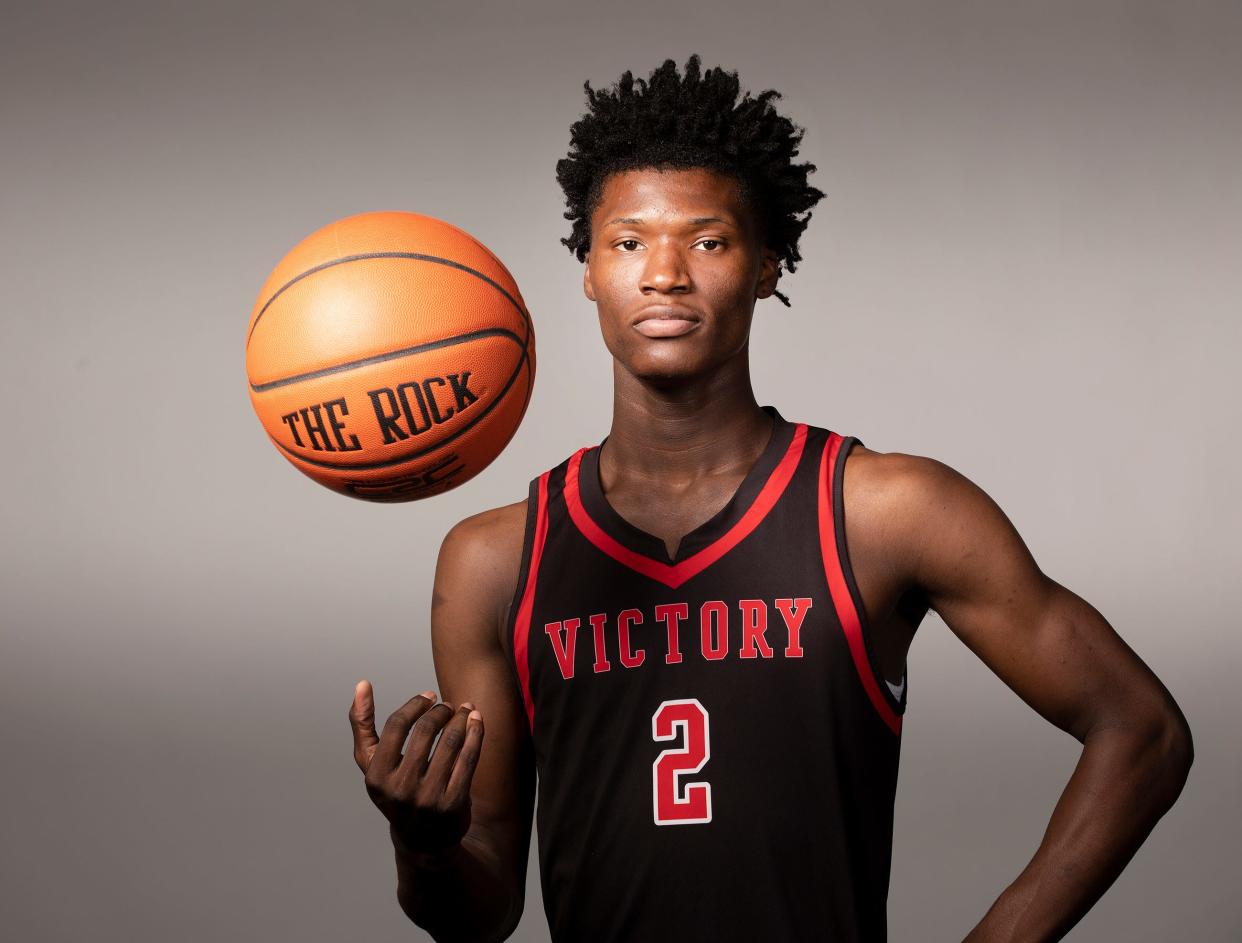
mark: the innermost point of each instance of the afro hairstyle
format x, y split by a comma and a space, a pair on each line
695, 119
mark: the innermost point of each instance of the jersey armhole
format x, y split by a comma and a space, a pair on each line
528, 542
517, 626
844, 590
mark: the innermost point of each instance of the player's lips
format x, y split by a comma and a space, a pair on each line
666, 321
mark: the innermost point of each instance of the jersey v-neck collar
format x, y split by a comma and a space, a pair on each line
645, 553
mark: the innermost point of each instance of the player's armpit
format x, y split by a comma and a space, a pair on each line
1047, 644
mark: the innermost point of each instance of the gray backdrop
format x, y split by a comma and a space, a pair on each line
1026, 266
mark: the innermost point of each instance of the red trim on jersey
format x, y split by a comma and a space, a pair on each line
675, 574
521, 625
847, 612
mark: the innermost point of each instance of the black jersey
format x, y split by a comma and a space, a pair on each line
717, 751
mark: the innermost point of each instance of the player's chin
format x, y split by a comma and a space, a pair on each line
664, 362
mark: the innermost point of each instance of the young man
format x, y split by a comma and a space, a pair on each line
696, 632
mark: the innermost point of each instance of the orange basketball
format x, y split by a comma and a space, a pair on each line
390, 356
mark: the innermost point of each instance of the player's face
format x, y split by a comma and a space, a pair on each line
675, 268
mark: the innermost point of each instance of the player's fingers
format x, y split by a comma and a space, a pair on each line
436, 772
397, 727
425, 729
362, 721
458, 788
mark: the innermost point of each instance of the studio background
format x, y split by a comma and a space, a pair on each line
1026, 266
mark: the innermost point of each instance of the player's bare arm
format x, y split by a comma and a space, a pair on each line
460, 818
950, 543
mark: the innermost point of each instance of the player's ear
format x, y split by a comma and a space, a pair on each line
587, 288
769, 274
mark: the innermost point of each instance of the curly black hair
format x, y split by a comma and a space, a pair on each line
692, 120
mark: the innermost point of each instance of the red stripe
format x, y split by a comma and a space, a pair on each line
521, 625
847, 613
676, 574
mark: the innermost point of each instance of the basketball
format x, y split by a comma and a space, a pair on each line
390, 356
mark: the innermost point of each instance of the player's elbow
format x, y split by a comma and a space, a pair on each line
1169, 752
1177, 746
1150, 751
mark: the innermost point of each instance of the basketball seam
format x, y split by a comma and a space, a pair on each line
391, 355
416, 256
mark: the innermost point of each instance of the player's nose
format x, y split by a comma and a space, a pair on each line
665, 271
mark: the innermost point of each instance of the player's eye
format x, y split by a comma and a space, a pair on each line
628, 245
711, 245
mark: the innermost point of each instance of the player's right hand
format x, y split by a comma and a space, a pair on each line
425, 796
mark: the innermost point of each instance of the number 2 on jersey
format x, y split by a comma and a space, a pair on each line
674, 802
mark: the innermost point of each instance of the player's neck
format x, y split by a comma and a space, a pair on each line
681, 433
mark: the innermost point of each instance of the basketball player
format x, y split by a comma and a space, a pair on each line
696, 630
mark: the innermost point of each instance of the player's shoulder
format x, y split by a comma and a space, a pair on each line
904, 492
478, 570
897, 475
919, 515
488, 538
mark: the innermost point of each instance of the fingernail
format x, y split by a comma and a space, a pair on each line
475, 715
466, 705
429, 695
